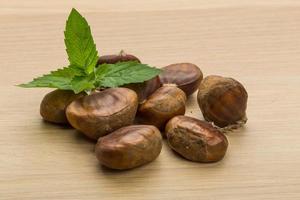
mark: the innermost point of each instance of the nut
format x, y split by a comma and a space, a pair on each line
129, 147
222, 100
196, 140
103, 112
186, 76
165, 103
121, 57
53, 105
145, 89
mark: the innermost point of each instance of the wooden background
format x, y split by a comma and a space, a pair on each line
256, 42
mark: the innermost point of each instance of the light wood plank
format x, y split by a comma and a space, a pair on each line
255, 42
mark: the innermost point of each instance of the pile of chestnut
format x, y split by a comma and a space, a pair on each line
129, 122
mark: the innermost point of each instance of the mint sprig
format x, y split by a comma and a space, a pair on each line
82, 73
121, 73
79, 42
60, 78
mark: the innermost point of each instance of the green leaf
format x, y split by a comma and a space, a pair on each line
68, 78
60, 79
121, 73
82, 83
81, 74
79, 43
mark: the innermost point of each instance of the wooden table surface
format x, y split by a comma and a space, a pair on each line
256, 42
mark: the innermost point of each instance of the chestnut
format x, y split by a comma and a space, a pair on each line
196, 140
222, 100
186, 76
103, 112
165, 103
129, 147
121, 57
54, 104
145, 89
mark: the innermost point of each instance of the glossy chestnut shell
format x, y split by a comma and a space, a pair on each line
145, 89
129, 147
196, 140
186, 76
165, 103
222, 100
114, 58
54, 104
103, 112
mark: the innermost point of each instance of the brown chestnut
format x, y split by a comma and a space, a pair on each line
121, 57
129, 147
103, 112
196, 140
186, 76
54, 104
222, 100
165, 103
145, 89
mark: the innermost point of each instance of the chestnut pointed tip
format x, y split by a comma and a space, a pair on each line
115, 58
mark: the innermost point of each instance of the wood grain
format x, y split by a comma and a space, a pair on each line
255, 42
